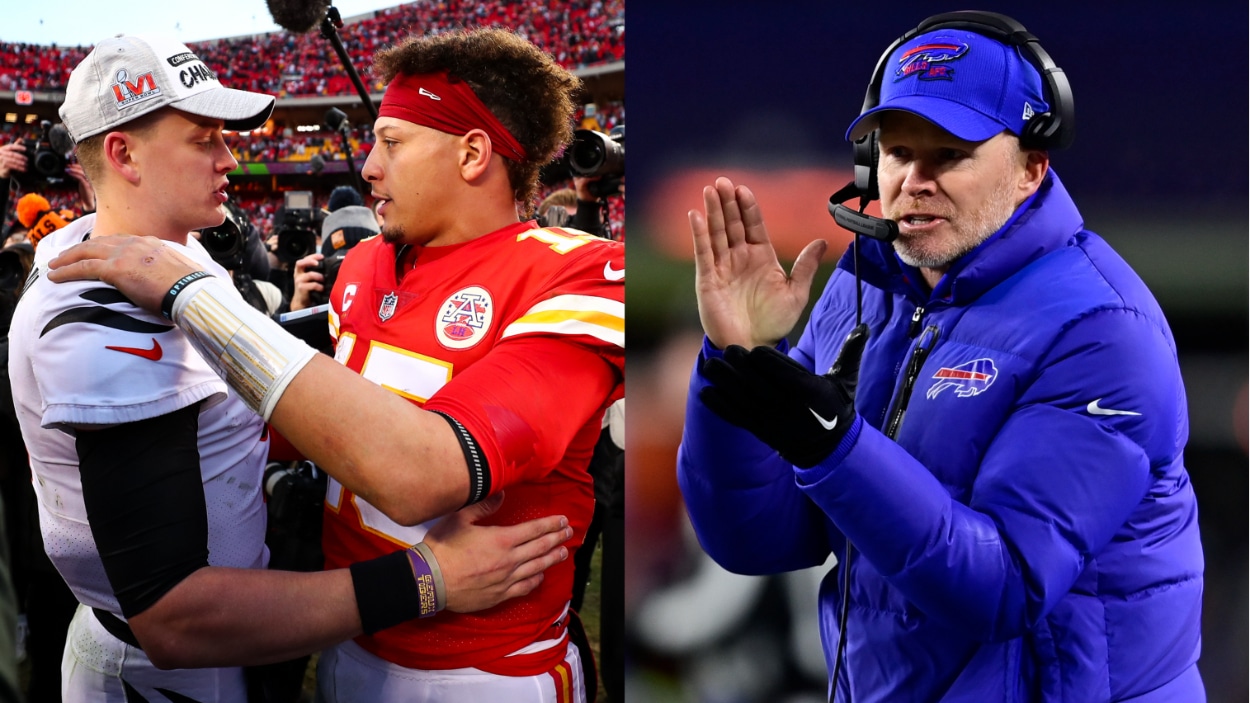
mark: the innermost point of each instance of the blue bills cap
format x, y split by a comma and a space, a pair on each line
968, 84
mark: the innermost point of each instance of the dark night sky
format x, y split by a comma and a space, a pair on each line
1160, 94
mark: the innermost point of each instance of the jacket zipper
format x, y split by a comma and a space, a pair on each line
913, 329
918, 355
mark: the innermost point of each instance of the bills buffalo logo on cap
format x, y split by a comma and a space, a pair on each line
929, 61
464, 318
127, 92
969, 378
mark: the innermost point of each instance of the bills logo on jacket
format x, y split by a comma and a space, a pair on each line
968, 378
464, 318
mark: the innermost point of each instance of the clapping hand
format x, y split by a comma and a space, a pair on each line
800, 414
745, 297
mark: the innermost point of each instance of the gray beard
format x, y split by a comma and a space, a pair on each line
972, 231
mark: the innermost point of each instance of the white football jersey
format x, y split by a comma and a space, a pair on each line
82, 355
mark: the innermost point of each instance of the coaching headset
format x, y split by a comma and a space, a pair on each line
1050, 130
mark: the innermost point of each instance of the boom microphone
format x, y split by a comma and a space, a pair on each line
860, 222
297, 16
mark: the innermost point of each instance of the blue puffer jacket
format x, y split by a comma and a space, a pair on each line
1031, 533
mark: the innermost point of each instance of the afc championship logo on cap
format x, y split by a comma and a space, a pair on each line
195, 73
126, 93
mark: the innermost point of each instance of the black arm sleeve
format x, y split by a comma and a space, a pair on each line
474, 457
144, 496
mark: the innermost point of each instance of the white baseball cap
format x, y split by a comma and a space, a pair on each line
125, 77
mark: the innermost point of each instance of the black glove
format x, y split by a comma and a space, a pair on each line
798, 413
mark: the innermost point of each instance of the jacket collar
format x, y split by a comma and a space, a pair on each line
1045, 222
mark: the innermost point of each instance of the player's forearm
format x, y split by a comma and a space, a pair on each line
235, 617
403, 460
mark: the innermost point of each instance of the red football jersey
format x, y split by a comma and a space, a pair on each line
520, 336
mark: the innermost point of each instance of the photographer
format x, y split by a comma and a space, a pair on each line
348, 223
578, 208
595, 162
295, 235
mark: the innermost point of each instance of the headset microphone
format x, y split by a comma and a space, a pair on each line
860, 222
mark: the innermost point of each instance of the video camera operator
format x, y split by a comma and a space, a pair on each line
32, 164
596, 164
294, 237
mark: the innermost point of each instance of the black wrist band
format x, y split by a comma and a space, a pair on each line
167, 305
386, 591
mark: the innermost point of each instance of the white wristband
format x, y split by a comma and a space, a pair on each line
243, 345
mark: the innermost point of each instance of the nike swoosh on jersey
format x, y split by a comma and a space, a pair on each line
153, 354
612, 274
827, 424
1093, 409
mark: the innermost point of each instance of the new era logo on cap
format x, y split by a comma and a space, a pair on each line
126, 77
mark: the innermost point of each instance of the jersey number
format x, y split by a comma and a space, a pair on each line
560, 241
415, 377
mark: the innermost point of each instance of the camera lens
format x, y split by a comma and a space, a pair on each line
587, 156
221, 240
595, 154
49, 164
294, 244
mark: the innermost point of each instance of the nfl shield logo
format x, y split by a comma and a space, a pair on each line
388, 306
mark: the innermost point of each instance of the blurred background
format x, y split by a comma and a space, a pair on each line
763, 93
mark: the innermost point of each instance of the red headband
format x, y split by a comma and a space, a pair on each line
438, 101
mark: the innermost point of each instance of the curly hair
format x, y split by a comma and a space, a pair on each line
522, 86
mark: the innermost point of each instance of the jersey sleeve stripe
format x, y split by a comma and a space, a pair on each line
579, 302
568, 326
574, 314
611, 322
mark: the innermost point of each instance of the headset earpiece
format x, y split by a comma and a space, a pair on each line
866, 151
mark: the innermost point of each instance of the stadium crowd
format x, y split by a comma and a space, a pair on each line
577, 33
